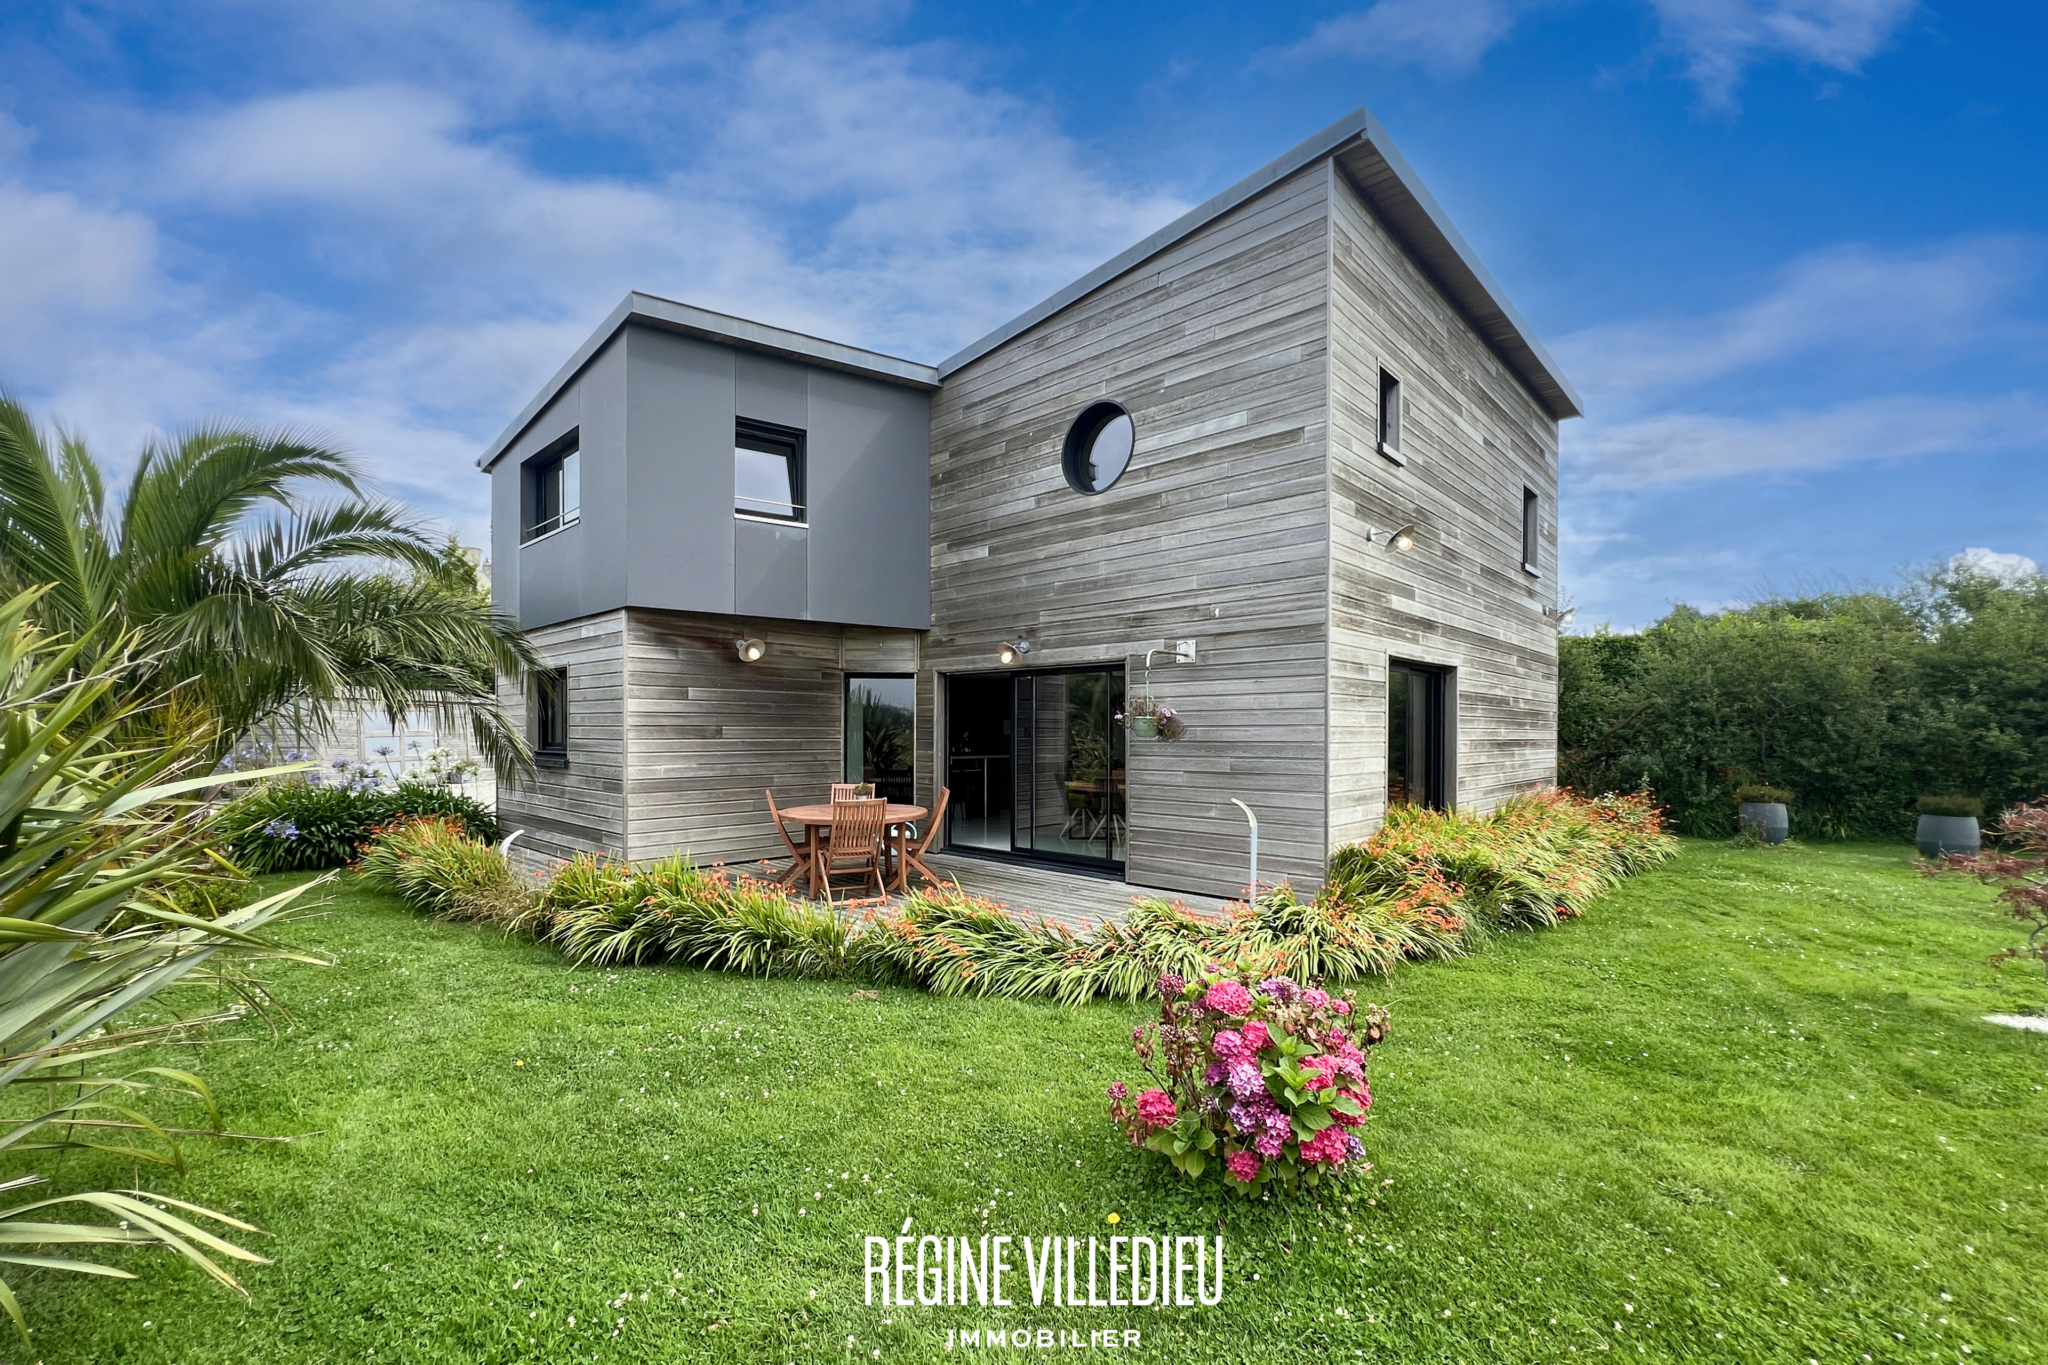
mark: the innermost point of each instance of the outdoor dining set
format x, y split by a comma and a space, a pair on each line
848, 835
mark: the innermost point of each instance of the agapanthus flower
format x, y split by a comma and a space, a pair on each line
1155, 1107
1119, 1091
1244, 1165
282, 828
1279, 989
1230, 997
1255, 1038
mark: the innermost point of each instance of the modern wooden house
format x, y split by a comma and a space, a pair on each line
1295, 449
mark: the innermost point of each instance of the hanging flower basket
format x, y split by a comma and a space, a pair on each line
1147, 719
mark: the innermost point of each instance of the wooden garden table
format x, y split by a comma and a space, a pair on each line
817, 819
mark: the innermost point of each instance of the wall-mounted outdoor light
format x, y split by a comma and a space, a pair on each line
750, 649
1561, 618
1400, 542
1011, 652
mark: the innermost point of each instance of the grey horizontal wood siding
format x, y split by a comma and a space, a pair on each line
708, 735
579, 808
1218, 532
1474, 437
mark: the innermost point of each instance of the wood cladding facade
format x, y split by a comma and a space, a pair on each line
1248, 353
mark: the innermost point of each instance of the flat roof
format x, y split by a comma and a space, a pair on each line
1387, 183
670, 316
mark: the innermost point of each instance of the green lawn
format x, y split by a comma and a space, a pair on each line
1745, 1110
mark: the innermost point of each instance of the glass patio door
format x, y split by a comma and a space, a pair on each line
1036, 761
1417, 748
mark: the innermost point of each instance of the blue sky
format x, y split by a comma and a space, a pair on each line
1790, 251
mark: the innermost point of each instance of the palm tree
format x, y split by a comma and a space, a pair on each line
253, 601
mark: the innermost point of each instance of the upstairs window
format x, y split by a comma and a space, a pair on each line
551, 717
768, 472
1531, 507
554, 489
1390, 418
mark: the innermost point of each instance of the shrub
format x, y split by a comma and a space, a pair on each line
1419, 889
1759, 793
1950, 805
2020, 872
433, 865
294, 825
1536, 860
602, 912
1261, 1081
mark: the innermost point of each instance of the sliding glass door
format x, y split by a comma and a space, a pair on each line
1036, 763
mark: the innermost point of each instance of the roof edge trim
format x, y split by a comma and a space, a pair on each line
723, 329
1525, 355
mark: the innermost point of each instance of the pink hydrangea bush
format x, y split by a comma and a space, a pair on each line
1263, 1081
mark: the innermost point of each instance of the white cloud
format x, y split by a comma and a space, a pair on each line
2008, 569
441, 264
1671, 446
1851, 296
1442, 36
1718, 39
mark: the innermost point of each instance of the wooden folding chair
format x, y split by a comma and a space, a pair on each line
913, 854
854, 843
799, 849
845, 791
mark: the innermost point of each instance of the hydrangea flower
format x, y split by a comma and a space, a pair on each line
1228, 1046
1353, 1148
1155, 1107
1119, 1091
1230, 997
1255, 1038
1314, 998
1243, 1165
1279, 990
1244, 1080
1327, 1146
1343, 1007
1170, 986
1215, 1073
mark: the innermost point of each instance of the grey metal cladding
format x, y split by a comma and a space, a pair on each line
719, 329
1361, 144
656, 411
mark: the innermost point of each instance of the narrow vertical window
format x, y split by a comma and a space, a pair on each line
1531, 507
551, 717
553, 497
1390, 418
768, 472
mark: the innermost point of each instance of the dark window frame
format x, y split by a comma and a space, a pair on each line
541, 508
1390, 418
1532, 531
551, 717
848, 681
1075, 453
791, 444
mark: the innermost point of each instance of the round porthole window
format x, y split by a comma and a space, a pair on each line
1099, 446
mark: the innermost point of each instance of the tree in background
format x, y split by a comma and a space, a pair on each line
254, 601
1858, 702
